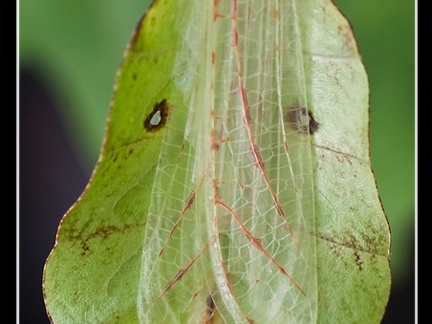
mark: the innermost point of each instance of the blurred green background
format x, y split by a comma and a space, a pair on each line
72, 50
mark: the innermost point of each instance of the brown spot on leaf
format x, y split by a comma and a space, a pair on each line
337, 245
85, 248
358, 260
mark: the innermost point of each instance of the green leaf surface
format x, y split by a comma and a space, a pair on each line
234, 183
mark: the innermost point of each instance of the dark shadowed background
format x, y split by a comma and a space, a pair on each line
69, 52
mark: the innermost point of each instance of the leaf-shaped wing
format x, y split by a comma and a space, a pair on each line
237, 147
232, 212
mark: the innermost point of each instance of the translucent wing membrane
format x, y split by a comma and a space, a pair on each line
229, 236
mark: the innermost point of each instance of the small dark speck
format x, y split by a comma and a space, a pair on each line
358, 260
210, 308
313, 124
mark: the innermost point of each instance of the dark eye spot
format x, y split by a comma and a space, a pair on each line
301, 119
158, 117
313, 124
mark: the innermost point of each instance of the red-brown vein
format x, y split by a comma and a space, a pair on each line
181, 272
254, 148
186, 206
257, 243
228, 286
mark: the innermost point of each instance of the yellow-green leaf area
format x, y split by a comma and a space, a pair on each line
92, 274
